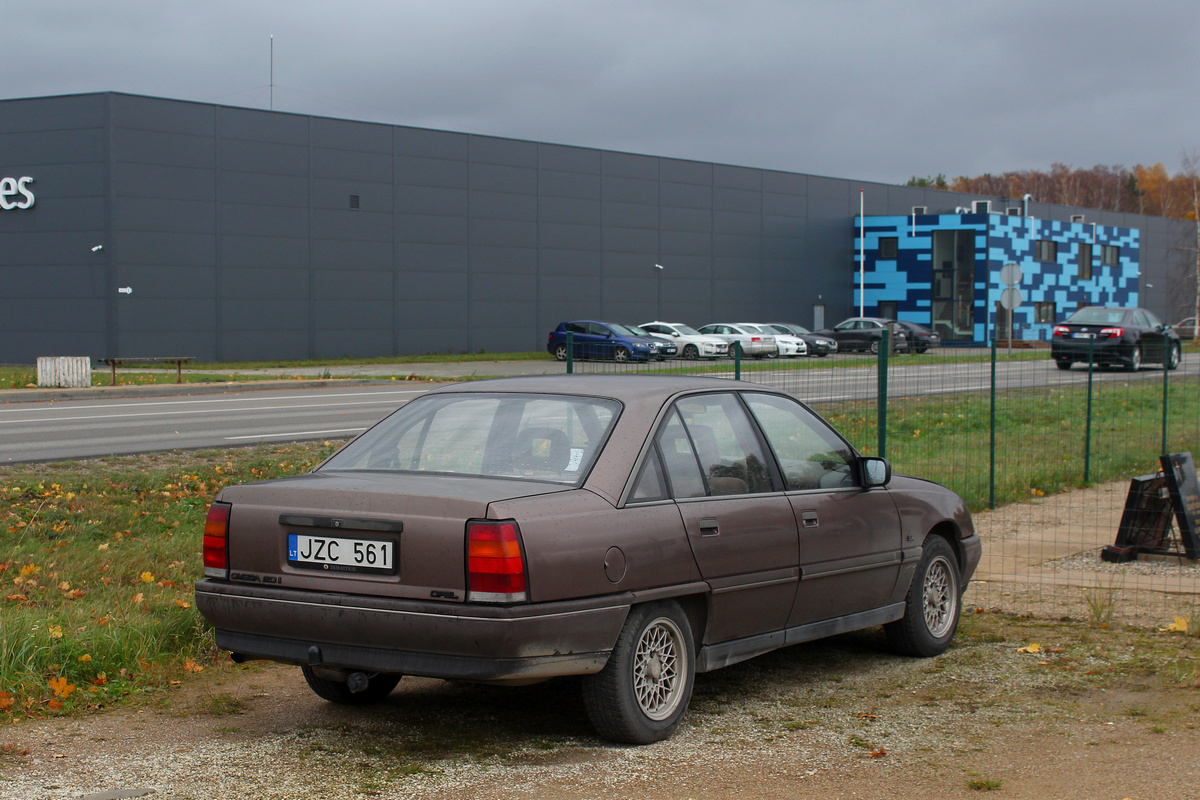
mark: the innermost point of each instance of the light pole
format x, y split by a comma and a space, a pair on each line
658, 292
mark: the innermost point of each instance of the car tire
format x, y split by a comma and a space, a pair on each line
643, 691
690, 352
1063, 364
1135, 359
1174, 358
875, 347
822, 354
379, 687
620, 355
932, 607
560, 352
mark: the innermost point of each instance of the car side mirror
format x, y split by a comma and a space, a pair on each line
875, 472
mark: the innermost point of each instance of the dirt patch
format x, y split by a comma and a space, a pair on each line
843, 718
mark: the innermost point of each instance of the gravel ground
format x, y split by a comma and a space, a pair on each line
838, 718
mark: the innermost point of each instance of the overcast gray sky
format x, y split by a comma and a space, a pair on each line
862, 89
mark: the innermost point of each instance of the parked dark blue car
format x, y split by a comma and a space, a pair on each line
607, 340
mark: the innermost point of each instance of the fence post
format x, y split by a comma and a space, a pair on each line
737, 361
992, 436
570, 352
1087, 436
881, 403
1167, 350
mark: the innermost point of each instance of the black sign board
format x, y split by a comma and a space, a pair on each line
1180, 473
1146, 521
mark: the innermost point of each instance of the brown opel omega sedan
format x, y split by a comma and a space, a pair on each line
633, 530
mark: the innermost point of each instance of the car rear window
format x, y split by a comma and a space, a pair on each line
1097, 316
551, 438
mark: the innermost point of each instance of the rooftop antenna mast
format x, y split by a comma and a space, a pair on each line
271, 94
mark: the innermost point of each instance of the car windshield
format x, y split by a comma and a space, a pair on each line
623, 330
637, 330
1097, 316
536, 437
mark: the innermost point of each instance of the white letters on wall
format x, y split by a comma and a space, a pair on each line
13, 188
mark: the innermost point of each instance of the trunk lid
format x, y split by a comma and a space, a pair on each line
382, 534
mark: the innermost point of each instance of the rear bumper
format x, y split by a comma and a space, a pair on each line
437, 640
1101, 352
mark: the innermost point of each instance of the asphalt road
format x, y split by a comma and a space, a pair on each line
125, 420
49, 431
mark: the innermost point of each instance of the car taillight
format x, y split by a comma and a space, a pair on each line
1112, 333
495, 563
216, 541
1062, 330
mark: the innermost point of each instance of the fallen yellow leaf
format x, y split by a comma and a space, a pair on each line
1180, 625
1034, 647
147, 577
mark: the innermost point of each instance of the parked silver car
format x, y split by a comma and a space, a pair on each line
753, 343
786, 344
692, 344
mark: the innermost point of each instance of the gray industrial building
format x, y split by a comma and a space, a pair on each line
134, 226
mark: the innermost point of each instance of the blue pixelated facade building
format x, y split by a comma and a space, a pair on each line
944, 271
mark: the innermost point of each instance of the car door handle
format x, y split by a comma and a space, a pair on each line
809, 519
709, 527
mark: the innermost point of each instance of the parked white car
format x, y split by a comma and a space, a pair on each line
786, 344
752, 341
692, 344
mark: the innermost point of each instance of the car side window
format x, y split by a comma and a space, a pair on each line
729, 452
810, 454
679, 459
575, 327
651, 483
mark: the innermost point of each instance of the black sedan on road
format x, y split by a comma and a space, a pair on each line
1109, 336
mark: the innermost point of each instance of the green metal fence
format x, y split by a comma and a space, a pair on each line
1042, 455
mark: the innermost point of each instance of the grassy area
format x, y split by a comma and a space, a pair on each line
97, 562
426, 358
1040, 439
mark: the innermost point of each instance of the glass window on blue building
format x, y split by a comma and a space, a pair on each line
953, 302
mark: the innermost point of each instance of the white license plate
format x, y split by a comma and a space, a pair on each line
339, 554
1085, 335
